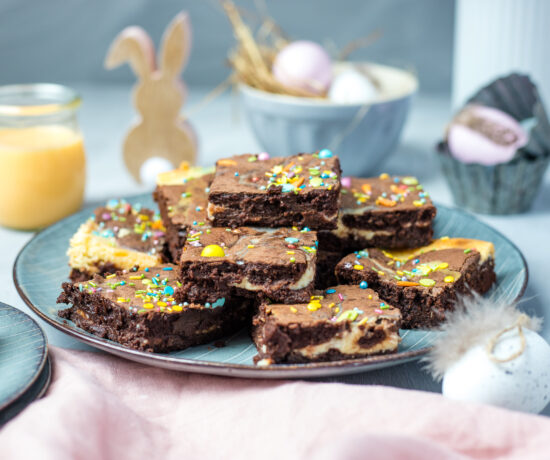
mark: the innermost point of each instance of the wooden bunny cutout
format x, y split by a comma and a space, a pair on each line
158, 95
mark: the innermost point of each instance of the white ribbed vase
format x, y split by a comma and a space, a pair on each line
497, 37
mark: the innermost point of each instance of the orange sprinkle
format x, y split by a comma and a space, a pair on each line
225, 162
407, 283
299, 182
366, 188
381, 201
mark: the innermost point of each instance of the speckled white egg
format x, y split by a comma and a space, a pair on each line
151, 168
303, 65
521, 384
352, 87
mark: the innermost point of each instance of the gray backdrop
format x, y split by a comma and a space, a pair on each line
66, 40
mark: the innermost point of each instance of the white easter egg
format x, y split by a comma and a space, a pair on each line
352, 87
151, 168
521, 384
303, 65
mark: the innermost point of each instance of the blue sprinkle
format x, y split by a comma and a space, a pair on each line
168, 290
147, 269
363, 285
167, 269
291, 240
194, 222
287, 187
330, 291
396, 180
198, 208
207, 304
207, 190
122, 283
325, 153
219, 303
236, 174
324, 176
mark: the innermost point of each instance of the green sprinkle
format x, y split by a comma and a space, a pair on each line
467, 251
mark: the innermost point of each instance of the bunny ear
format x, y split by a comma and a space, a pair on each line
176, 44
134, 45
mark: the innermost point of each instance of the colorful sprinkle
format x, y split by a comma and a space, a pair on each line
363, 285
427, 282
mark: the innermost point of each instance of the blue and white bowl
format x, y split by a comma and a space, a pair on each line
363, 135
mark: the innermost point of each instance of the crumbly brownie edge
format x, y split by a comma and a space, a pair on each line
419, 309
175, 235
152, 331
317, 209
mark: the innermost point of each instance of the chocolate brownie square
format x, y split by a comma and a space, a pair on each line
183, 209
137, 309
424, 283
301, 190
118, 236
221, 262
343, 322
385, 211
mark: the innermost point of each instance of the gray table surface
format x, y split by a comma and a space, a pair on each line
222, 130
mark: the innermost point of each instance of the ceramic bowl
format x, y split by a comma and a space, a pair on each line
362, 135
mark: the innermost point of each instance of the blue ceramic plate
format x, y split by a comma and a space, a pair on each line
41, 267
35, 391
23, 353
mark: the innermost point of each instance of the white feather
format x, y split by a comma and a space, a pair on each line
475, 320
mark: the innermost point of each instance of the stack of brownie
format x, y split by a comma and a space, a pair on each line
289, 242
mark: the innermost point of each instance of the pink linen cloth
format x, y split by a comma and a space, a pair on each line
103, 407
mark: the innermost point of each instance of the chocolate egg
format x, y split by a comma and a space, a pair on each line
352, 87
484, 135
303, 65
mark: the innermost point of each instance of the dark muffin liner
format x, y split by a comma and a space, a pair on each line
506, 188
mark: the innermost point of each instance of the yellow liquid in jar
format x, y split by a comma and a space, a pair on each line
42, 175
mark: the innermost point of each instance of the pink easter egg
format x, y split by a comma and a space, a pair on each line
263, 156
485, 135
303, 65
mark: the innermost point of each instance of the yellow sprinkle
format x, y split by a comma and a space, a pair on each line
290, 252
348, 315
427, 282
314, 306
358, 267
384, 176
337, 309
363, 321
177, 308
417, 203
148, 305
317, 297
121, 299
143, 217
381, 273
399, 272
331, 305
136, 277
443, 266
121, 254
293, 310
370, 296
162, 304
111, 276
449, 279
250, 246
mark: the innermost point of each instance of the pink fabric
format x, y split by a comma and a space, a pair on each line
102, 407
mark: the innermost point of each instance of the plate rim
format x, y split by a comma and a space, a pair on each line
43, 359
276, 371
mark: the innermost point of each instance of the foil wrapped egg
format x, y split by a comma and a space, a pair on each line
485, 135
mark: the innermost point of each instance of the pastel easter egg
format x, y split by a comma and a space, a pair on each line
151, 168
263, 156
485, 135
520, 384
303, 65
352, 87
346, 182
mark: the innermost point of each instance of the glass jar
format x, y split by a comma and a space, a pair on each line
42, 160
